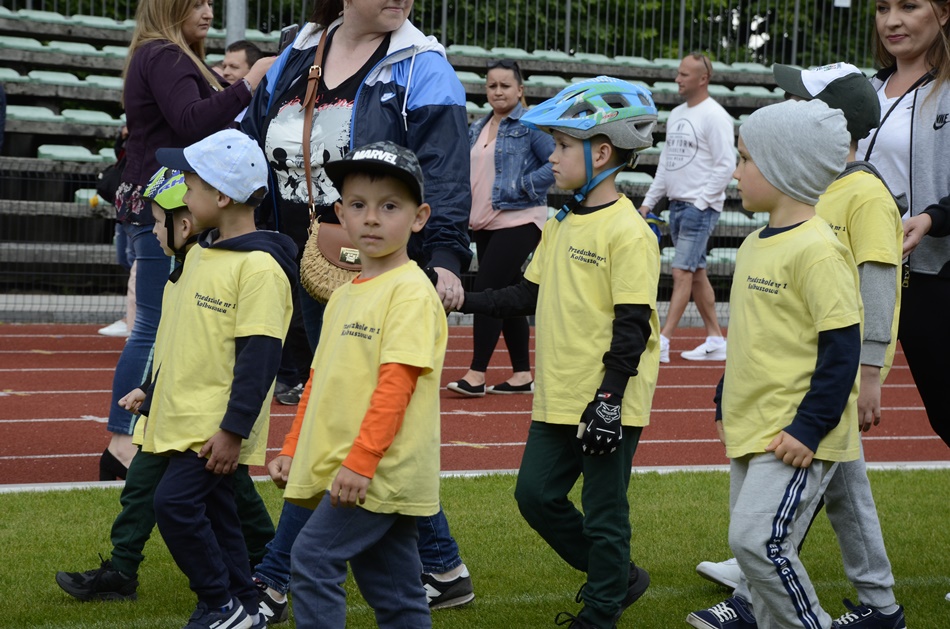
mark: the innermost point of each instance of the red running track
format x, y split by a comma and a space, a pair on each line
55, 383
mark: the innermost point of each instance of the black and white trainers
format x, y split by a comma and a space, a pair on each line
105, 583
232, 617
274, 611
446, 594
867, 617
291, 397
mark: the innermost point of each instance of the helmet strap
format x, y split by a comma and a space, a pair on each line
592, 182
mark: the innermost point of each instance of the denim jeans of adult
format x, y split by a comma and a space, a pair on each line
152, 269
437, 549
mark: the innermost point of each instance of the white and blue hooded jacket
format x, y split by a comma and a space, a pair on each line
413, 98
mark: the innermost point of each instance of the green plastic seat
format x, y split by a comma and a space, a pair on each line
719, 66
665, 87
593, 57
662, 115
666, 62
105, 82
74, 48
21, 43
634, 178
84, 195
720, 90
7, 14
49, 77
88, 116
546, 80
216, 33
553, 55
510, 53
98, 21
736, 219
43, 16
477, 110
467, 51
32, 113
744, 66
253, 34
654, 150
9, 75
108, 155
636, 62
116, 52
756, 91
213, 59
67, 153
469, 77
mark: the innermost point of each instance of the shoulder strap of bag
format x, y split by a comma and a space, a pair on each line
313, 82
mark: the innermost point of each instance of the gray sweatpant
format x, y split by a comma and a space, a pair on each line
853, 516
770, 506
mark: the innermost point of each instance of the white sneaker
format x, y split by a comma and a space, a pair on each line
119, 328
714, 348
948, 596
664, 349
725, 573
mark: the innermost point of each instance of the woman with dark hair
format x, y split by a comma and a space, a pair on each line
911, 148
510, 180
380, 79
171, 99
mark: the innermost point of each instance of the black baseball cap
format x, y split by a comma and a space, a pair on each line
841, 86
385, 158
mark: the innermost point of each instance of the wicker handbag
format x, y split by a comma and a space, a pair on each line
329, 258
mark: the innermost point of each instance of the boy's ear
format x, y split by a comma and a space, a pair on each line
186, 226
422, 216
338, 210
223, 200
601, 154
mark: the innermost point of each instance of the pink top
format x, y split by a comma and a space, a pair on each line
483, 216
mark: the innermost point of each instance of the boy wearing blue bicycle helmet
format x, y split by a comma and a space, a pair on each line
592, 285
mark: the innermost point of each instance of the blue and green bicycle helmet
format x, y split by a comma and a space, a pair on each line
167, 189
622, 111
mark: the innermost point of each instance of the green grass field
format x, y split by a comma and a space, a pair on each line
678, 520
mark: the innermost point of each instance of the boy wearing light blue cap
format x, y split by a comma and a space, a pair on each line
209, 408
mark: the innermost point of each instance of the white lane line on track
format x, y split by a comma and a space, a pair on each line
474, 446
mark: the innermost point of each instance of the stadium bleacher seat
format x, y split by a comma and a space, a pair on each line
108, 155
21, 43
43, 16
216, 33
662, 116
87, 116
634, 178
656, 149
756, 91
665, 87
593, 57
718, 90
74, 48
51, 77
107, 82
253, 34
9, 75
67, 153
469, 77
719, 66
83, 195
98, 21
546, 80
117, 52
476, 110
665, 62
552, 55
636, 62
467, 51
7, 14
32, 113
510, 53
741, 66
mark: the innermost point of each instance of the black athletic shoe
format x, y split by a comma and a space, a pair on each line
446, 594
274, 611
637, 584
572, 621
103, 584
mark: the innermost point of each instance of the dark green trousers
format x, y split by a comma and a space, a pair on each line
596, 541
133, 526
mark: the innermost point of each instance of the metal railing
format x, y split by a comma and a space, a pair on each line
763, 31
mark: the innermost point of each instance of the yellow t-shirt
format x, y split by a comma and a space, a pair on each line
585, 265
393, 318
222, 295
865, 218
786, 289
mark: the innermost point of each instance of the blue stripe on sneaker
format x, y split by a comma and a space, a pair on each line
783, 518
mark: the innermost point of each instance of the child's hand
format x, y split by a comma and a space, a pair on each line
132, 401
224, 449
721, 432
869, 398
279, 469
348, 487
790, 450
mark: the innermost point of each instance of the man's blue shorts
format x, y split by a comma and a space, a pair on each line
690, 229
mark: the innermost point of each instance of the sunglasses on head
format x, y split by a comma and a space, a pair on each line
706, 64
503, 63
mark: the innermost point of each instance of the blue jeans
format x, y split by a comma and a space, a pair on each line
437, 548
124, 255
135, 363
690, 229
381, 550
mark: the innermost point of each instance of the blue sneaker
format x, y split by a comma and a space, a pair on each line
732, 613
233, 617
868, 617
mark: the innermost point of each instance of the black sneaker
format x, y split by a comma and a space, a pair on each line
105, 583
233, 617
572, 621
274, 611
445, 594
869, 618
637, 583
290, 397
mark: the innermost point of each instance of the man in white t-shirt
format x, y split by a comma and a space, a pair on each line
695, 167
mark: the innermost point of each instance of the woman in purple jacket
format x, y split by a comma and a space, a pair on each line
171, 99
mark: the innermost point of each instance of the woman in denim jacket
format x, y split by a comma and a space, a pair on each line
510, 181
